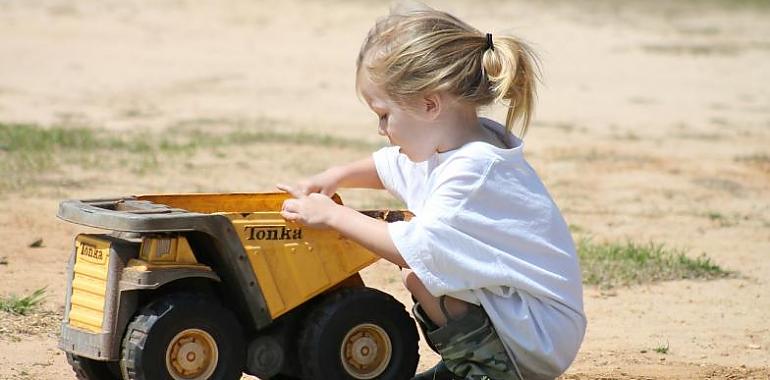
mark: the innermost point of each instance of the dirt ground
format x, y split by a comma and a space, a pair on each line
653, 124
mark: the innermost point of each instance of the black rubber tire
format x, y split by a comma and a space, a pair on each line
90, 369
152, 329
327, 324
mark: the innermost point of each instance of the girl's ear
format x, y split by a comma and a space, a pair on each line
432, 106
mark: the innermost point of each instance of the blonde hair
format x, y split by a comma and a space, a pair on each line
419, 51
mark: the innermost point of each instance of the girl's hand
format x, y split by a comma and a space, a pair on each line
313, 210
325, 183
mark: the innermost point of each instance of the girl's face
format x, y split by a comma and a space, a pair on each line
410, 129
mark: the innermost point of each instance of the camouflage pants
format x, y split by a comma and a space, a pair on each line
469, 346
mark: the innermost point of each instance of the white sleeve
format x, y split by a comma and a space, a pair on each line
390, 168
445, 258
489, 234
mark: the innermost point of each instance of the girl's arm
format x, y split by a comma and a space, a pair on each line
369, 232
316, 210
361, 174
319, 211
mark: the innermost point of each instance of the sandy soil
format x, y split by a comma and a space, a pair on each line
653, 125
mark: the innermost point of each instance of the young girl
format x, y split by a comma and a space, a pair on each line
488, 257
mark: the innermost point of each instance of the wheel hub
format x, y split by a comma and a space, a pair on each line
192, 354
366, 351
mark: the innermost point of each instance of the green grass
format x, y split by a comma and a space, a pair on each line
576, 229
697, 49
613, 264
661, 349
740, 4
27, 150
22, 306
30, 138
197, 139
721, 219
675, 7
759, 160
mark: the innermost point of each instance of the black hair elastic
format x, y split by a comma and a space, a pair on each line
489, 42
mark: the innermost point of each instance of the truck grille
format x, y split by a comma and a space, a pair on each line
89, 283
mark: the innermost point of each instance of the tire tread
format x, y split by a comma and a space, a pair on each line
327, 309
141, 326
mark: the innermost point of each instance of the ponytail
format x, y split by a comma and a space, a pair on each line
512, 70
423, 51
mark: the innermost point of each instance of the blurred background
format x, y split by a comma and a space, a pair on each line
652, 132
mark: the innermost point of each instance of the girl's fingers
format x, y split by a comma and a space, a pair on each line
288, 215
283, 187
289, 205
296, 193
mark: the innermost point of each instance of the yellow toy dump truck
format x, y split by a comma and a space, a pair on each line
208, 286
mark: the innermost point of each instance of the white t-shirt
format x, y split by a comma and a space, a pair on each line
486, 231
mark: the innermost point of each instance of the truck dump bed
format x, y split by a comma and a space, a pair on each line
290, 263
